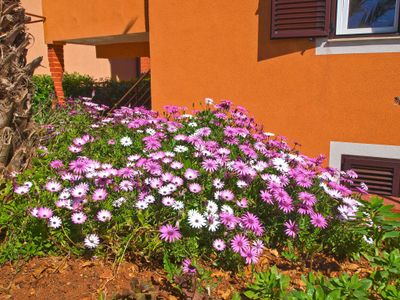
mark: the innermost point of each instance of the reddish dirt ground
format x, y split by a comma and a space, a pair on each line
67, 278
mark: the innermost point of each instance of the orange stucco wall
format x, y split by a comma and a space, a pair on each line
71, 19
78, 58
221, 49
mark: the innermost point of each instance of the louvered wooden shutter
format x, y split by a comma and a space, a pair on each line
381, 175
300, 18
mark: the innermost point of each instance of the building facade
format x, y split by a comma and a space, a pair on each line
324, 72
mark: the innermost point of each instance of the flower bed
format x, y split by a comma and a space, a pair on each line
210, 186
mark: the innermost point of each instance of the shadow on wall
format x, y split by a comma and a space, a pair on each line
123, 69
268, 48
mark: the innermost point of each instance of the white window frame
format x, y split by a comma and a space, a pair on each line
342, 18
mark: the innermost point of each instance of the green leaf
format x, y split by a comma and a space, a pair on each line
334, 295
391, 234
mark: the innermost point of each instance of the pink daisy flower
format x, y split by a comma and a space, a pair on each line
104, 215
318, 220
210, 165
78, 218
219, 245
99, 194
191, 174
53, 186
169, 233
187, 267
227, 195
239, 243
56, 164
168, 201
291, 228
44, 213
195, 188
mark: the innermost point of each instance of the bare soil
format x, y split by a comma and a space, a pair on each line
61, 278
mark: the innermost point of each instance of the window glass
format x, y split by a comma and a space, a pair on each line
371, 13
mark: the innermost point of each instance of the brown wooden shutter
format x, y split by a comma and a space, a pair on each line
300, 18
381, 175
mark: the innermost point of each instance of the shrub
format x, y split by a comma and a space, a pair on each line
43, 92
76, 85
268, 285
210, 184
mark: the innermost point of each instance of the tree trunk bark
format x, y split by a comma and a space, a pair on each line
17, 138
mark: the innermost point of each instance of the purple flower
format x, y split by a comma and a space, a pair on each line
251, 222
44, 213
239, 243
56, 164
229, 220
240, 168
168, 201
21, 190
53, 186
307, 198
80, 190
266, 197
195, 188
170, 233
99, 194
187, 267
104, 215
78, 218
219, 245
291, 228
191, 174
210, 165
79, 166
251, 255
318, 220
227, 195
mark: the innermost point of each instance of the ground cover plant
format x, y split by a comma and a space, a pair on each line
193, 190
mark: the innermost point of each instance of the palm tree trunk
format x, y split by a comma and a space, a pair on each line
17, 136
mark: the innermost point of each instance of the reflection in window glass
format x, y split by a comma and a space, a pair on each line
371, 13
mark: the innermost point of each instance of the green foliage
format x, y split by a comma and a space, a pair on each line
386, 276
43, 95
379, 222
337, 288
105, 91
76, 85
268, 285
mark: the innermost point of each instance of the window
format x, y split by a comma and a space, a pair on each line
313, 18
367, 16
381, 175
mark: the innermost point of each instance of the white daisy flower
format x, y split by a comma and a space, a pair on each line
178, 205
142, 204
281, 165
164, 190
92, 241
118, 203
149, 199
209, 101
150, 131
227, 209
126, 141
181, 149
192, 124
241, 184
214, 225
196, 220
212, 207
55, 222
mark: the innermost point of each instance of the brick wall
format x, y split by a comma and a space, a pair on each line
56, 64
144, 64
